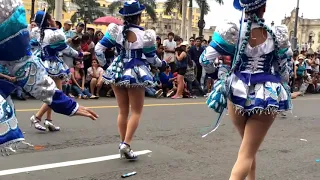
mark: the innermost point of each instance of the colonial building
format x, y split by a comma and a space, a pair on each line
172, 23
308, 32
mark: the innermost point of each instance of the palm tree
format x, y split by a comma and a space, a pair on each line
177, 4
149, 4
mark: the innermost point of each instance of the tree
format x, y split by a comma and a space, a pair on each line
177, 4
52, 6
149, 4
92, 13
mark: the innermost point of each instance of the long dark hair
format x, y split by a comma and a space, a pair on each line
44, 25
128, 21
81, 71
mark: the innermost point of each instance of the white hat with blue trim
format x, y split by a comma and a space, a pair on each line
248, 5
131, 8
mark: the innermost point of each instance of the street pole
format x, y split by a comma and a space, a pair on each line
58, 10
201, 23
32, 10
295, 38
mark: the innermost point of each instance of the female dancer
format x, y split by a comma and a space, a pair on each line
129, 73
256, 88
52, 41
29, 73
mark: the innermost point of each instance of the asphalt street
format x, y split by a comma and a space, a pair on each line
169, 141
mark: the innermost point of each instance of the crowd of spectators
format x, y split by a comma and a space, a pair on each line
306, 77
183, 77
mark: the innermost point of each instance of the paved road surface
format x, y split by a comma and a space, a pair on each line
169, 139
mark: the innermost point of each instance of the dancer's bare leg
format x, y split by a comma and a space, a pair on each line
256, 128
122, 97
239, 122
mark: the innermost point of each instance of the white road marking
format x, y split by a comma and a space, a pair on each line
65, 164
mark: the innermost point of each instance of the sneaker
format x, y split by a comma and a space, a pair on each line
126, 152
48, 123
159, 93
35, 122
170, 93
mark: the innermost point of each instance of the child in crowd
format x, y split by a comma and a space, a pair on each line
156, 91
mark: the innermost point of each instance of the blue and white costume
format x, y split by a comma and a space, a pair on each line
53, 42
133, 70
257, 80
29, 71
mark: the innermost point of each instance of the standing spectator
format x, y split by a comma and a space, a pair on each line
90, 31
169, 50
98, 36
79, 29
178, 40
58, 25
32, 25
94, 77
195, 53
85, 48
204, 43
182, 62
67, 30
191, 40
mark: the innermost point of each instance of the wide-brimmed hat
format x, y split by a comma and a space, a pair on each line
39, 18
131, 8
184, 43
248, 5
301, 56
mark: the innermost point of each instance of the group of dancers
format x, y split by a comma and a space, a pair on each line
253, 89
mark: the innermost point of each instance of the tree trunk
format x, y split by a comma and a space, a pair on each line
184, 19
58, 10
190, 13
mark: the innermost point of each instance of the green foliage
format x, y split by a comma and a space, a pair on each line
150, 5
92, 13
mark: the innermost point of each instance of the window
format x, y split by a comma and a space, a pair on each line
169, 26
165, 26
104, 5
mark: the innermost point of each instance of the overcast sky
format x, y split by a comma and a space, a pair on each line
276, 10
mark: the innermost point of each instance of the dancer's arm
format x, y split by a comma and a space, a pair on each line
285, 52
224, 41
107, 42
33, 78
57, 41
149, 49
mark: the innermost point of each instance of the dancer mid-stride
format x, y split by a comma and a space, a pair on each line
51, 41
30, 75
129, 73
255, 88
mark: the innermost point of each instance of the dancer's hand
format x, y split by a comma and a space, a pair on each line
86, 112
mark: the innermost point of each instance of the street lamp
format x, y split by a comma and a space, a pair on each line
272, 23
201, 23
86, 9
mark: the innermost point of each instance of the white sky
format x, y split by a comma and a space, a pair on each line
276, 10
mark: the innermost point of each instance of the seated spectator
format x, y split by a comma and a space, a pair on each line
173, 91
155, 91
4, 74
78, 79
66, 87
94, 77
190, 78
166, 79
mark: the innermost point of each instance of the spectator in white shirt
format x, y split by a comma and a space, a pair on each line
169, 50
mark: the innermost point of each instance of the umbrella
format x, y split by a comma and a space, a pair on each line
106, 20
